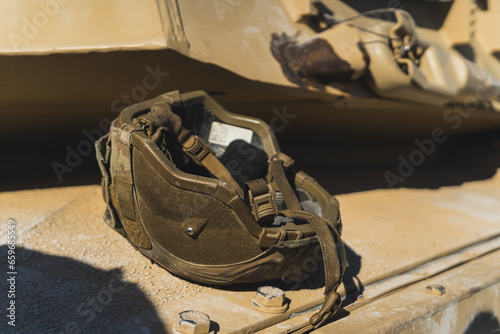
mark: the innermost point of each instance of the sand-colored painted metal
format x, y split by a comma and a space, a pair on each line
470, 304
68, 65
366, 315
389, 233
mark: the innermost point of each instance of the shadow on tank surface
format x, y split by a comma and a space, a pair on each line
483, 323
353, 285
353, 166
339, 165
60, 295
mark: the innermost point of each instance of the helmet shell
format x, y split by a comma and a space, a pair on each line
195, 226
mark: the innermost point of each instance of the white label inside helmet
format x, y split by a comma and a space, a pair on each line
225, 134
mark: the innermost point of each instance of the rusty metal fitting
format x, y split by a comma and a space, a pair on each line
193, 322
270, 299
435, 289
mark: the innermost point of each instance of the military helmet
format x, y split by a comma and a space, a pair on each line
208, 195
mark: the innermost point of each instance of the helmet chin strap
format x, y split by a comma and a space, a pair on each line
327, 236
335, 265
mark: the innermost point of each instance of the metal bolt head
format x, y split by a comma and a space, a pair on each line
190, 231
435, 289
193, 322
269, 296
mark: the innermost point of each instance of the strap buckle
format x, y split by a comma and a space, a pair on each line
264, 205
329, 308
196, 148
276, 235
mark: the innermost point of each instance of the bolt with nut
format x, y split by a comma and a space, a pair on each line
270, 299
193, 322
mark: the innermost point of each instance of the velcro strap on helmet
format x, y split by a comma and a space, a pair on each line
261, 200
277, 173
202, 154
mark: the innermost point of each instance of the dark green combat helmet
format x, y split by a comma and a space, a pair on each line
208, 195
